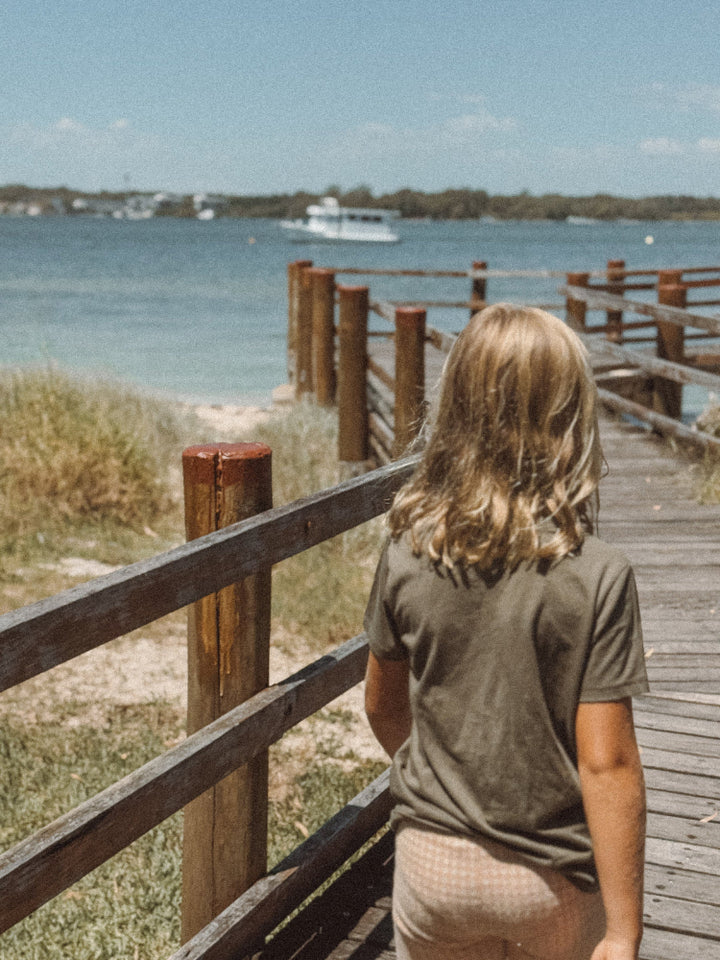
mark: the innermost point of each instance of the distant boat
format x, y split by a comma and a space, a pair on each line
327, 220
581, 221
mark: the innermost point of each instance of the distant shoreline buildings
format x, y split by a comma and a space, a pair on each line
17, 200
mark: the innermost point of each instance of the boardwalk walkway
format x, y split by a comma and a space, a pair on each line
647, 508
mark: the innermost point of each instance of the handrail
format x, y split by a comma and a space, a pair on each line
237, 930
678, 372
52, 631
49, 861
608, 301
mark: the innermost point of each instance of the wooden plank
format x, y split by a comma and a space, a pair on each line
660, 944
239, 928
704, 706
48, 862
677, 372
354, 908
684, 830
44, 634
676, 781
682, 743
647, 720
682, 884
683, 916
683, 856
665, 314
684, 805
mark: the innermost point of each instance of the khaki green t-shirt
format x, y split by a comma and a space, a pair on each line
498, 664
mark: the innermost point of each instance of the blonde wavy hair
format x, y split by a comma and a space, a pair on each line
512, 462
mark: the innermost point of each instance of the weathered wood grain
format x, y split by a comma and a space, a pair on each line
49, 632
237, 930
48, 862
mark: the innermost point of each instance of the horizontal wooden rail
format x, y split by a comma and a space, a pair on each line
678, 372
658, 421
665, 314
384, 309
52, 631
237, 930
440, 340
45, 864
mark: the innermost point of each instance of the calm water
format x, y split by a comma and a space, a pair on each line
197, 310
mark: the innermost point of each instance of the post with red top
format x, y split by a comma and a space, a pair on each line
576, 310
409, 376
479, 288
225, 828
293, 271
303, 333
616, 285
352, 380
323, 335
667, 395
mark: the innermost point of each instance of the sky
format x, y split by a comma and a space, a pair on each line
255, 97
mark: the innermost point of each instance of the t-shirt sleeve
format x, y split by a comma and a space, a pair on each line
380, 628
616, 662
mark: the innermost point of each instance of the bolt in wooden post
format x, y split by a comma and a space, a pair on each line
409, 376
352, 380
616, 285
225, 829
667, 395
479, 287
323, 335
303, 317
576, 310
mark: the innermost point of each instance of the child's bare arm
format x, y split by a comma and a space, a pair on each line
387, 703
613, 792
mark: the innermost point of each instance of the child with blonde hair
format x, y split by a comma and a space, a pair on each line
505, 647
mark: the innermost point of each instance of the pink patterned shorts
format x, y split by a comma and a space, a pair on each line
456, 898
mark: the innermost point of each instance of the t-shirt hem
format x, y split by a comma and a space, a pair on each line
609, 694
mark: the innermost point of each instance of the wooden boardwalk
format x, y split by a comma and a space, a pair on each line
648, 509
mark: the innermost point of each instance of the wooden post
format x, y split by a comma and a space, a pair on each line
576, 310
303, 336
616, 285
225, 828
293, 270
323, 335
409, 376
667, 395
479, 288
352, 377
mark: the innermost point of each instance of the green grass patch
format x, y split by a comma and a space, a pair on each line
130, 906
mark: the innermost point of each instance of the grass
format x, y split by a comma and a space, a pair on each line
129, 907
708, 486
91, 470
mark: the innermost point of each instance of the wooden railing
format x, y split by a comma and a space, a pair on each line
381, 400
201, 572
647, 362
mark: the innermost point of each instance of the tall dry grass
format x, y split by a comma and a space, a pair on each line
76, 451
709, 472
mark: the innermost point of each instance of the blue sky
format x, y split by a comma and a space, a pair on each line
251, 97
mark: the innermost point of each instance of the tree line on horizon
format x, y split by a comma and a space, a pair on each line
450, 204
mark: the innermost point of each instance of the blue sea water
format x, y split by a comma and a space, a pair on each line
198, 310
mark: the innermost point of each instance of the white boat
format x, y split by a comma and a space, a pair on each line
327, 220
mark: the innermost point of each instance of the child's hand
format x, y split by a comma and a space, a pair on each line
615, 950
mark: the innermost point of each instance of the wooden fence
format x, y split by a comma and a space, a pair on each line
641, 364
219, 772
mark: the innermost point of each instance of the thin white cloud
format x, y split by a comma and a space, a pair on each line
663, 146
691, 97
